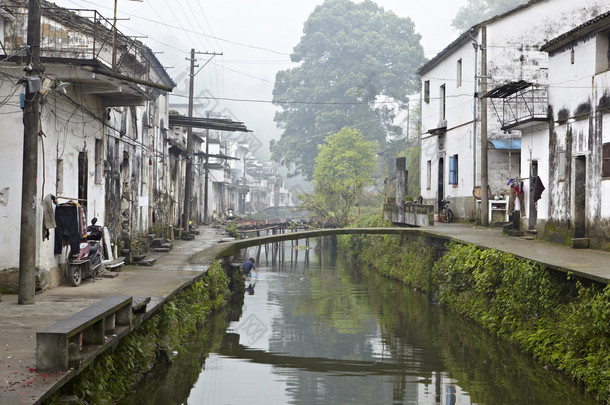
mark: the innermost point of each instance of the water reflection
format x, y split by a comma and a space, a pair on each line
332, 332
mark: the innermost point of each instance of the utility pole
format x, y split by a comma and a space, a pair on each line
189, 149
475, 45
206, 175
484, 173
189, 141
31, 125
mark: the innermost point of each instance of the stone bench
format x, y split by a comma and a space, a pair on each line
62, 345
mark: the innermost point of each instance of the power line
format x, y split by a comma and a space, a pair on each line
195, 32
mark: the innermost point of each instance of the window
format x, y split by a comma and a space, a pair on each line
99, 160
428, 175
459, 73
442, 102
427, 91
453, 170
572, 56
606, 160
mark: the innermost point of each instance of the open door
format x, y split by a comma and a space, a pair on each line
83, 174
580, 196
441, 181
533, 211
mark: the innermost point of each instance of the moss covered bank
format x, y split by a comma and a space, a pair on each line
158, 339
560, 319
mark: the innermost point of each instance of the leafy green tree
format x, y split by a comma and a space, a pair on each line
350, 54
344, 165
480, 10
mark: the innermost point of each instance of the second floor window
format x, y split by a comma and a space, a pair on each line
427, 91
459, 73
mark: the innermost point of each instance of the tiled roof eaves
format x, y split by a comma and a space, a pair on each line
579, 31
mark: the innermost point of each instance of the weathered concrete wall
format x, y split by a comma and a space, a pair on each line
579, 121
68, 134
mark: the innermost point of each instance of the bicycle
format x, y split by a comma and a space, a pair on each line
444, 212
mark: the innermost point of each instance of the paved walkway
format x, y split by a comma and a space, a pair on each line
587, 263
20, 383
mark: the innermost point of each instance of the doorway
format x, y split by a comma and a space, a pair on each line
441, 181
82, 178
533, 210
580, 196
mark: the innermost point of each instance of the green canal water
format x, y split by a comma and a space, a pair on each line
327, 331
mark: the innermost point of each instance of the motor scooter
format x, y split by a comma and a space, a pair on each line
88, 260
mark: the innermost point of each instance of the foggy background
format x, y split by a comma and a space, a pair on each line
256, 39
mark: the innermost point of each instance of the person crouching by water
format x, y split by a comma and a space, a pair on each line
247, 268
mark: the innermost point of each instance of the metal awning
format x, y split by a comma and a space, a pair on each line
220, 124
507, 89
505, 144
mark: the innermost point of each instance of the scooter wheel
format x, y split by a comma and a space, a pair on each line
75, 275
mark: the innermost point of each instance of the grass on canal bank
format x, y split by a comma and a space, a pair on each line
562, 320
158, 339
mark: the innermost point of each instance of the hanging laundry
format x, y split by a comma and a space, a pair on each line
538, 188
68, 218
48, 215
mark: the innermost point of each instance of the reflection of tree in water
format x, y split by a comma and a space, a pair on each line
326, 320
489, 369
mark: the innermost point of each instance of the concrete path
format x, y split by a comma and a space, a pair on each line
587, 263
20, 383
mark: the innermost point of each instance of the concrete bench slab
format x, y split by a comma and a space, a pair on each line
61, 345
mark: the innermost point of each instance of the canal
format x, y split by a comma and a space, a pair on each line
320, 329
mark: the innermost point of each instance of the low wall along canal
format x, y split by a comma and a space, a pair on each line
319, 319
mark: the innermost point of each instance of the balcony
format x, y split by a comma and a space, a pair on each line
523, 104
85, 39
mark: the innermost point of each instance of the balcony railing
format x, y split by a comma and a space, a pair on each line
523, 104
75, 34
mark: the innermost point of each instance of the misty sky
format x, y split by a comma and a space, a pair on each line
256, 39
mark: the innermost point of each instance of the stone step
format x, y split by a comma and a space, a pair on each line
580, 243
147, 262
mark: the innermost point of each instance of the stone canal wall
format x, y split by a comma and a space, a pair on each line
560, 319
157, 339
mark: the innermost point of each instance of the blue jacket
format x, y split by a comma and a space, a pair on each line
247, 266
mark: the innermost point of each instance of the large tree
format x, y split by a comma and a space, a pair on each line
476, 11
350, 54
342, 168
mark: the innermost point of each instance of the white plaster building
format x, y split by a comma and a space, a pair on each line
572, 147
451, 107
101, 137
